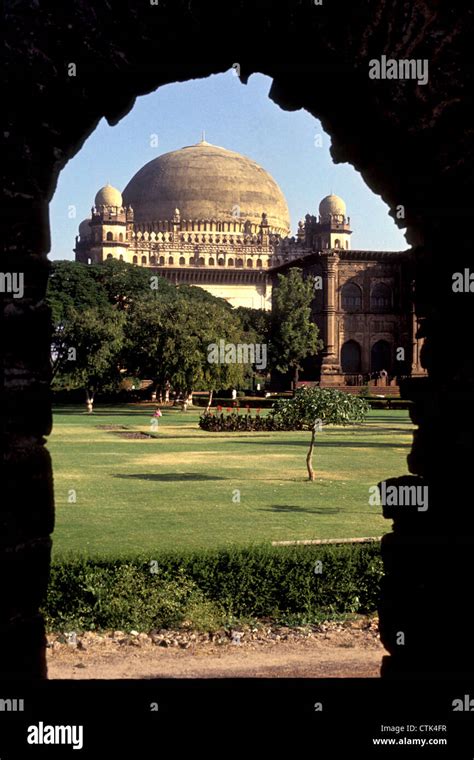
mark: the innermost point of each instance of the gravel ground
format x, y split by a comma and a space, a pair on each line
340, 650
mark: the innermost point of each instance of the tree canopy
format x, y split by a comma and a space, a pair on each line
294, 335
143, 325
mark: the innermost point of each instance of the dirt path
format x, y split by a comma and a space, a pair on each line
331, 651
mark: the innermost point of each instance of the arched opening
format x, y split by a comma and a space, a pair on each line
135, 260
259, 263
109, 236
153, 259
350, 357
182, 261
351, 297
109, 256
120, 237
220, 262
381, 357
143, 260
211, 262
249, 263
419, 450
162, 261
230, 262
380, 297
170, 260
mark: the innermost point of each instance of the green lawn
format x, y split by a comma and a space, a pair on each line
177, 490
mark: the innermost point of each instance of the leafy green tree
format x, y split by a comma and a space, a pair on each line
258, 322
72, 284
191, 292
294, 334
170, 343
126, 283
311, 408
223, 326
93, 339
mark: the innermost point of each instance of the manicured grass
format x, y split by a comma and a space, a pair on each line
179, 490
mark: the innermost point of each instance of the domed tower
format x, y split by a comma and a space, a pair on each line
333, 227
106, 234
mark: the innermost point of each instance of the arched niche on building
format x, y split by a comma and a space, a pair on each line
381, 356
351, 357
380, 297
351, 297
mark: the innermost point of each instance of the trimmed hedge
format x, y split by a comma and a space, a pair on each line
211, 589
236, 421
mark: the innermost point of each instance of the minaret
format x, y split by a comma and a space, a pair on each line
107, 235
333, 228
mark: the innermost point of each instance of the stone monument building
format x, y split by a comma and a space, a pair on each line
210, 217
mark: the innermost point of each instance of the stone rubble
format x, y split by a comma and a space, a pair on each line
363, 630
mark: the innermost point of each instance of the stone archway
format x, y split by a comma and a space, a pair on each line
350, 357
381, 356
87, 64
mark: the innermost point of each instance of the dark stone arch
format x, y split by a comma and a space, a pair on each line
402, 154
351, 297
380, 297
381, 356
351, 357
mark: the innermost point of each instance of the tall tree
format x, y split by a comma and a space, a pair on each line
294, 334
92, 339
171, 342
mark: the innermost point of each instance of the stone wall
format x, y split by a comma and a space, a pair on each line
72, 65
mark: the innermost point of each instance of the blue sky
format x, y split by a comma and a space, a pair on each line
238, 117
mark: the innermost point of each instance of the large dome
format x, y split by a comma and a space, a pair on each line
205, 181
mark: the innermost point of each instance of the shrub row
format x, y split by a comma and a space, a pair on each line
219, 422
210, 589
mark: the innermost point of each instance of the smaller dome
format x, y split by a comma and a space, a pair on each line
333, 205
85, 229
108, 196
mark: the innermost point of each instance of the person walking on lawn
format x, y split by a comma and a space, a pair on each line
154, 420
